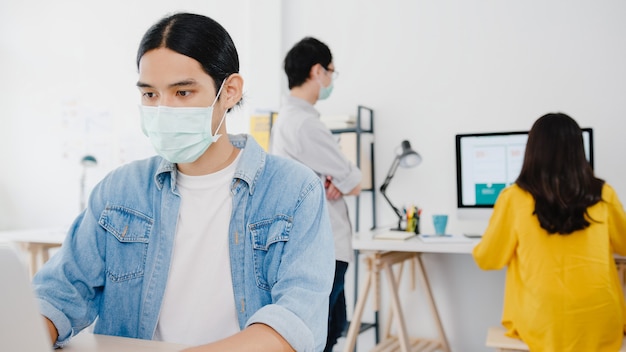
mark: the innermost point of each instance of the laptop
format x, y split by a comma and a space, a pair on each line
21, 326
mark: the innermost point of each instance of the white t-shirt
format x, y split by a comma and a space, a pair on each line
198, 305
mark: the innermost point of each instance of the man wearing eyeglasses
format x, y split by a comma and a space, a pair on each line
299, 134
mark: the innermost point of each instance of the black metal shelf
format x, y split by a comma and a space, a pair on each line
364, 327
360, 129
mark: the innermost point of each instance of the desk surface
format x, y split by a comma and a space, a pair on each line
364, 241
87, 342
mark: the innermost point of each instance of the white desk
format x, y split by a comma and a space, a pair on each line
87, 342
36, 242
364, 242
382, 256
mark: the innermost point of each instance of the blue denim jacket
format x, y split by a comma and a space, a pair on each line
114, 263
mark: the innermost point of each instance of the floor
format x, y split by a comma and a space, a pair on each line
365, 342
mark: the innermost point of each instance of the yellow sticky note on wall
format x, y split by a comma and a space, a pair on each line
260, 128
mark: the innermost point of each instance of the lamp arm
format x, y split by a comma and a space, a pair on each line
383, 188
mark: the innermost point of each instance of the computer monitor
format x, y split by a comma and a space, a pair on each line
488, 162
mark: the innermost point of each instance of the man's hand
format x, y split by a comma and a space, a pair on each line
332, 193
256, 337
52, 330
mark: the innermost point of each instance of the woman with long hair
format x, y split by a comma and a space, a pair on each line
556, 229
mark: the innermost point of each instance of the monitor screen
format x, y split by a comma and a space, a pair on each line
486, 163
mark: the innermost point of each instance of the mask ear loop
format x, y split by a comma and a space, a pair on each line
217, 136
219, 91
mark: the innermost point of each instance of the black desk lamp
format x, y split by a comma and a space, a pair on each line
407, 158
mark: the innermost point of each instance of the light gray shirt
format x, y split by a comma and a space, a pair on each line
299, 134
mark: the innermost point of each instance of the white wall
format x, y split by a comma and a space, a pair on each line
68, 89
433, 69
429, 69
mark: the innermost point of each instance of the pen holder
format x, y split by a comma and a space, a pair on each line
413, 225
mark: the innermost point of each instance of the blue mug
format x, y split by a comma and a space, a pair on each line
440, 221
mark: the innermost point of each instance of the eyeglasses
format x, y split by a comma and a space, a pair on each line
333, 74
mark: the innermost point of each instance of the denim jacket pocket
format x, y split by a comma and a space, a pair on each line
128, 244
268, 239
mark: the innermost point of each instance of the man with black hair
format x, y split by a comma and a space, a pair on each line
299, 134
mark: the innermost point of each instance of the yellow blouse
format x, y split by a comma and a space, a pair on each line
562, 293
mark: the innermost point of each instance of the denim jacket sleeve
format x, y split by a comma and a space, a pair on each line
299, 293
100, 269
69, 306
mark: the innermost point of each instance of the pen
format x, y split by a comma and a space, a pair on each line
435, 236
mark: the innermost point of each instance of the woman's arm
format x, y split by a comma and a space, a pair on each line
498, 243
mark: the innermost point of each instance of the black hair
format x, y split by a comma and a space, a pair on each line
198, 37
305, 54
557, 174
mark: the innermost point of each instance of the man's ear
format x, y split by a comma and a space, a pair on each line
233, 90
315, 71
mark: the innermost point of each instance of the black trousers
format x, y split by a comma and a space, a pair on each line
337, 316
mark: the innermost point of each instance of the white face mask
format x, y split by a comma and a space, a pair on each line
324, 92
180, 135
